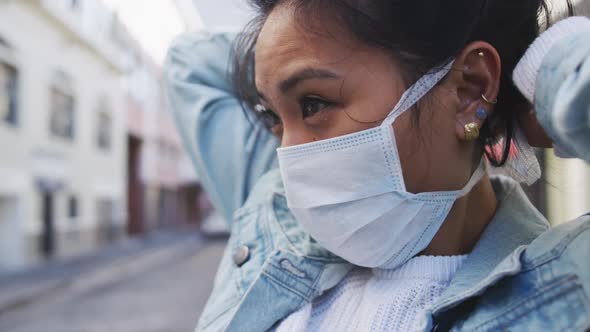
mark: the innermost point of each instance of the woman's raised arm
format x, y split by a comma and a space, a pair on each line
563, 87
229, 151
554, 74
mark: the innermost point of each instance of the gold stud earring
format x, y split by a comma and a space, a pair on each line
471, 131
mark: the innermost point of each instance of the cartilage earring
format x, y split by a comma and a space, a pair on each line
471, 131
481, 114
492, 102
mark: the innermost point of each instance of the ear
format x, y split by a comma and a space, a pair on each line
476, 78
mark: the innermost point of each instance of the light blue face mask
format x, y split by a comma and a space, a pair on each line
349, 193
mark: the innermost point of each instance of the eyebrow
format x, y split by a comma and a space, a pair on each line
306, 74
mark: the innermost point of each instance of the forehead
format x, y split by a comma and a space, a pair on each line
285, 41
285, 25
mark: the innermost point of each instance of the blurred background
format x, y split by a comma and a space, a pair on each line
103, 223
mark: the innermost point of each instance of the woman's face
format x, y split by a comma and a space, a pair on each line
323, 83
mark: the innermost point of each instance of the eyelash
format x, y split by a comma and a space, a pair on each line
305, 102
270, 119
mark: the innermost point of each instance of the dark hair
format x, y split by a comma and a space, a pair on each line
423, 35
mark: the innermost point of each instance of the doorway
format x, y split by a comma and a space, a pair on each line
47, 245
134, 187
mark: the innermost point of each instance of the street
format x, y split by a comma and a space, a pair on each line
154, 289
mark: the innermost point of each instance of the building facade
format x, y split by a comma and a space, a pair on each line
163, 187
63, 130
88, 149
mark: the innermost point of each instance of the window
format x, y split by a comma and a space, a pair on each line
8, 85
104, 130
73, 207
8, 93
62, 106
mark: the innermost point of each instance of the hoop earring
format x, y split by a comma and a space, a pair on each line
491, 102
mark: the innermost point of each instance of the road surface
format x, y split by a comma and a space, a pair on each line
158, 289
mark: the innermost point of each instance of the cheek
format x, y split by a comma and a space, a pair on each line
431, 155
371, 96
413, 153
334, 123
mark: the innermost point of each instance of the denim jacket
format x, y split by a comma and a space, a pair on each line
521, 275
562, 96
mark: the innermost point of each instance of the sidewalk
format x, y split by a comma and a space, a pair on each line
138, 253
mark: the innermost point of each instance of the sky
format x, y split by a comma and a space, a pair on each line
224, 14
153, 23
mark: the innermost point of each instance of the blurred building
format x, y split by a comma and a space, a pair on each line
63, 132
163, 188
88, 151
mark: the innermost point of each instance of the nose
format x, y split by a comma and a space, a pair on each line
295, 135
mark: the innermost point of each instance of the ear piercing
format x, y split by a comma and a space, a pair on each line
259, 108
481, 114
471, 131
495, 101
491, 102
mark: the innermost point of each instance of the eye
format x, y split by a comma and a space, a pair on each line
312, 105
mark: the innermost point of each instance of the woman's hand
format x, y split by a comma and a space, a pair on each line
533, 131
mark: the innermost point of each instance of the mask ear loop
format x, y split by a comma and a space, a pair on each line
400, 104
417, 91
477, 175
413, 94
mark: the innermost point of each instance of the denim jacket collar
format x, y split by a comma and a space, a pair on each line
295, 269
516, 224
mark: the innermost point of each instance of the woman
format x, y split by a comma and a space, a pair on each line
381, 216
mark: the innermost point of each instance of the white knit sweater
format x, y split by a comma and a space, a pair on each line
378, 300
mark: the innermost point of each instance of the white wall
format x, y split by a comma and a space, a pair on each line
12, 246
29, 150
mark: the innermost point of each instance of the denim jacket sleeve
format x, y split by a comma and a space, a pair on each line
229, 151
562, 98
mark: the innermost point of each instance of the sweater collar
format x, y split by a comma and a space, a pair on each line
515, 224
